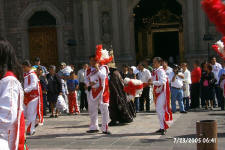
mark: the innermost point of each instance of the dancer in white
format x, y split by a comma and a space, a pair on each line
96, 80
33, 102
11, 100
161, 95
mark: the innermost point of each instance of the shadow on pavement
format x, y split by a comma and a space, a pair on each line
81, 126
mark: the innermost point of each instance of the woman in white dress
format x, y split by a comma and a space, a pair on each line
11, 99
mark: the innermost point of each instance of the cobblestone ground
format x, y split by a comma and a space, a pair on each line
69, 132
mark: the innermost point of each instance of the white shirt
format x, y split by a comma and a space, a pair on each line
159, 79
187, 76
81, 74
178, 83
168, 70
187, 82
11, 95
216, 70
33, 85
144, 75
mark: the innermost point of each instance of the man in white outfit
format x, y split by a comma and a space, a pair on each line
33, 102
161, 95
97, 89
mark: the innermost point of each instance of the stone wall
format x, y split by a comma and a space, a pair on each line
91, 22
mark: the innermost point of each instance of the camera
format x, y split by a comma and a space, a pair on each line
176, 69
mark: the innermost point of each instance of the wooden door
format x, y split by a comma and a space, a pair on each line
43, 44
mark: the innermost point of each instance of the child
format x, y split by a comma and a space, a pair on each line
72, 84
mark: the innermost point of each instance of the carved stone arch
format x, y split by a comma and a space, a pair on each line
30, 10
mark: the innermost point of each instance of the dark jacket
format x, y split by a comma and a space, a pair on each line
54, 84
210, 78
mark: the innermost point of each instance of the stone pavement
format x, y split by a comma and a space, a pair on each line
69, 132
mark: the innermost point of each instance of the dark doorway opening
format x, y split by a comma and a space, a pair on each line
166, 45
156, 33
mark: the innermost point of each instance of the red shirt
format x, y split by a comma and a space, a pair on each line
196, 75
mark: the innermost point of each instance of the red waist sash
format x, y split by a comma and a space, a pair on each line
30, 96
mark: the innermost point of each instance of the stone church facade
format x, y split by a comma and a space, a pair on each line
78, 25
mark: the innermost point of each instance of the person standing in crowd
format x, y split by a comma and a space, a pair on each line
147, 66
83, 96
195, 86
208, 86
221, 78
167, 68
218, 92
145, 76
162, 95
96, 81
64, 74
54, 90
131, 75
12, 127
37, 63
72, 85
124, 72
176, 80
204, 71
33, 100
44, 84
186, 87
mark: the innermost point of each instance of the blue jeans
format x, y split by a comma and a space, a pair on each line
177, 94
136, 101
186, 103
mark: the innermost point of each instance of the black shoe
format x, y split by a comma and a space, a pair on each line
107, 132
52, 116
92, 131
36, 125
56, 116
163, 132
113, 123
158, 131
183, 112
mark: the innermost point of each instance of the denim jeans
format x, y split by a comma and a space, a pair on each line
177, 94
186, 103
219, 97
136, 101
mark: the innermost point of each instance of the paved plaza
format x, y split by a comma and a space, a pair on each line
69, 132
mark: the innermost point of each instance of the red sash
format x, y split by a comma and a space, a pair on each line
30, 96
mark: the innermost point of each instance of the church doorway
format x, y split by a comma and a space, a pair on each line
43, 38
159, 30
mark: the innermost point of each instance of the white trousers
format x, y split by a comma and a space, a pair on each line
30, 113
4, 145
160, 109
93, 112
